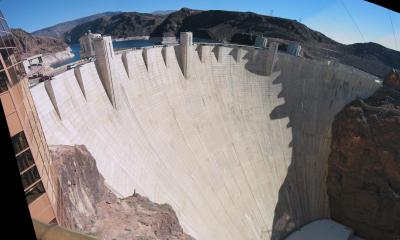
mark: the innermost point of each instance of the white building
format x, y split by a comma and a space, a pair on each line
33, 64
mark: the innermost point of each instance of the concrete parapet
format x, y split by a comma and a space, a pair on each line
50, 92
125, 61
239, 54
166, 53
78, 76
218, 51
271, 57
186, 45
204, 53
104, 57
145, 57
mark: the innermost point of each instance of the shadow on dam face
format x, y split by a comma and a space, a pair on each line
313, 94
236, 153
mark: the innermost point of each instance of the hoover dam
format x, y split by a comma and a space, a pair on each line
235, 138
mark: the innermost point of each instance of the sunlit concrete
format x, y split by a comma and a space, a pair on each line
236, 153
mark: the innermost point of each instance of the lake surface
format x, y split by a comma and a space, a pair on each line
117, 46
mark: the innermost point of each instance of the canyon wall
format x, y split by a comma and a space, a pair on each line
364, 165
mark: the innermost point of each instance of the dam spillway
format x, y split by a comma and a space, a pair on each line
238, 152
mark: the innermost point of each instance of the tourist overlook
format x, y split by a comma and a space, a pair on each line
200, 124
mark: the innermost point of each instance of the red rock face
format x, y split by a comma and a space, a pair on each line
85, 204
364, 166
30, 45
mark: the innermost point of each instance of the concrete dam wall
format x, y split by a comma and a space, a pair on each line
237, 145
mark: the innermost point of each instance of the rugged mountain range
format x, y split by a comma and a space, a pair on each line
122, 25
59, 30
237, 27
242, 28
163, 12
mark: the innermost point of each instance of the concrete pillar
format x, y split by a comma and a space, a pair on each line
126, 64
104, 52
78, 76
261, 42
186, 45
164, 53
294, 49
202, 53
272, 53
52, 96
145, 57
167, 54
239, 54
218, 50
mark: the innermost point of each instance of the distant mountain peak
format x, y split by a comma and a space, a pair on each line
59, 30
234, 27
162, 12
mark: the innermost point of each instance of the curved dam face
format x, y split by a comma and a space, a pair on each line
237, 152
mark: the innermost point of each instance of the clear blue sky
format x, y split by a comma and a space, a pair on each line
327, 16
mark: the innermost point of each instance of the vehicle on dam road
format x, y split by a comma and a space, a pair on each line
71, 66
45, 78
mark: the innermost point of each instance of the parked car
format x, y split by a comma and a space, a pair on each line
71, 66
45, 78
36, 75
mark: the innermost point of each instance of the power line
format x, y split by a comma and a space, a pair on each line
394, 31
362, 36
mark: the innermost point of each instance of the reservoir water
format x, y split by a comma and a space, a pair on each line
117, 45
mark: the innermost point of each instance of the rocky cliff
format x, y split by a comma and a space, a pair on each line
59, 30
364, 165
30, 45
242, 28
127, 24
231, 26
85, 204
